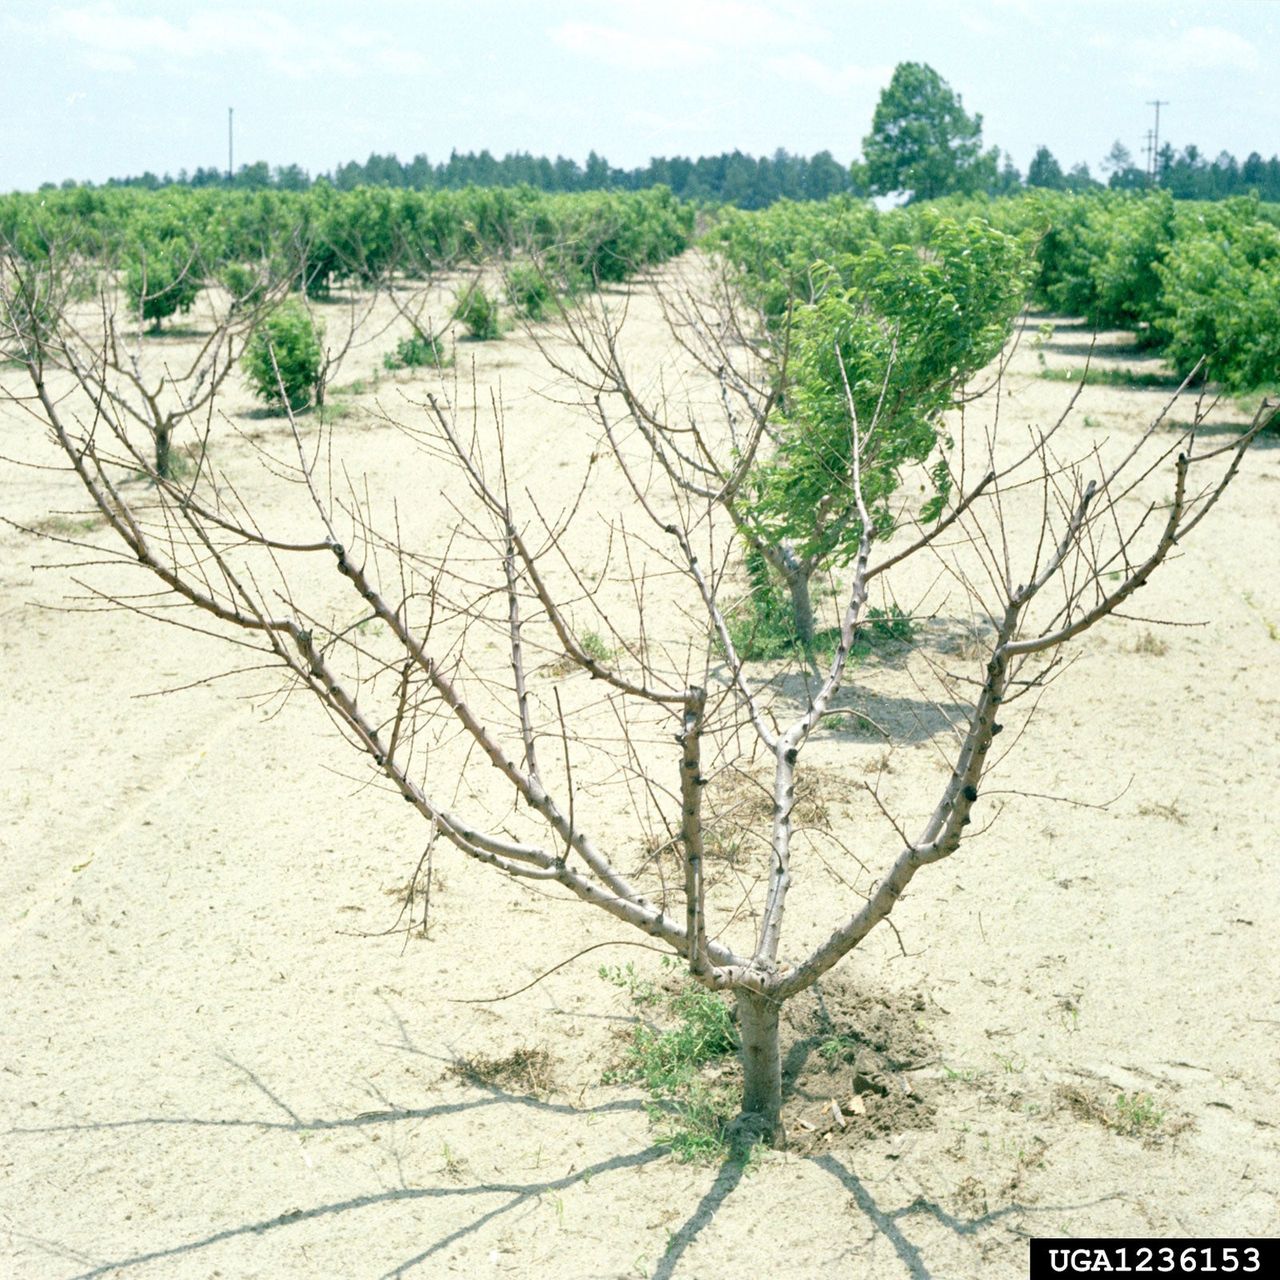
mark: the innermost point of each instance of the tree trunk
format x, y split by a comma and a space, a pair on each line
164, 460
796, 573
802, 607
761, 1066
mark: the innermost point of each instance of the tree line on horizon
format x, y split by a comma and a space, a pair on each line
922, 143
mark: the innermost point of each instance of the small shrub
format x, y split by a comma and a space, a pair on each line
290, 334
416, 352
530, 292
478, 313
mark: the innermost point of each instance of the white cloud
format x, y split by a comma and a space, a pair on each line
739, 23
1199, 49
107, 39
836, 81
638, 51
650, 35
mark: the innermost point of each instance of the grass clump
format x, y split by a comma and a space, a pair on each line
1132, 1115
674, 1060
593, 644
1136, 1115
527, 1071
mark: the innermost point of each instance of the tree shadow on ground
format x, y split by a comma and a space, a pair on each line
513, 1195
1267, 438
857, 714
887, 1223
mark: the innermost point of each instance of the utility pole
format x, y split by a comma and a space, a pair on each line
231, 172
1149, 148
1155, 141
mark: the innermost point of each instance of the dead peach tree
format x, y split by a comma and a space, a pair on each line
618, 700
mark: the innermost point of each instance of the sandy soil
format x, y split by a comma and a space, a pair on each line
214, 1062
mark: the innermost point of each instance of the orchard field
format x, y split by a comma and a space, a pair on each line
259, 1021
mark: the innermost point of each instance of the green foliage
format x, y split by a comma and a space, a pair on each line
246, 284
595, 646
763, 626
1045, 171
530, 292
418, 351
161, 280
692, 1113
1095, 376
479, 314
1136, 1114
323, 237
285, 350
775, 253
608, 237
922, 141
904, 325
1191, 280
1221, 299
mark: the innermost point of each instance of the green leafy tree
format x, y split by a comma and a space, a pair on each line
162, 280
1220, 296
922, 141
1045, 171
284, 359
894, 333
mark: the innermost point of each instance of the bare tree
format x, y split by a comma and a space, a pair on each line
1040, 546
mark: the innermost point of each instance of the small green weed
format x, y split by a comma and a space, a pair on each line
592, 644
1272, 630
357, 387
643, 991
837, 1048
595, 647
690, 1112
1133, 1115
67, 526
1136, 1114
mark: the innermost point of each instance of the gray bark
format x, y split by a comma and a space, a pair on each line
761, 1064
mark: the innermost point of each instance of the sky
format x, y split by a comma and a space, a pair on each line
116, 87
